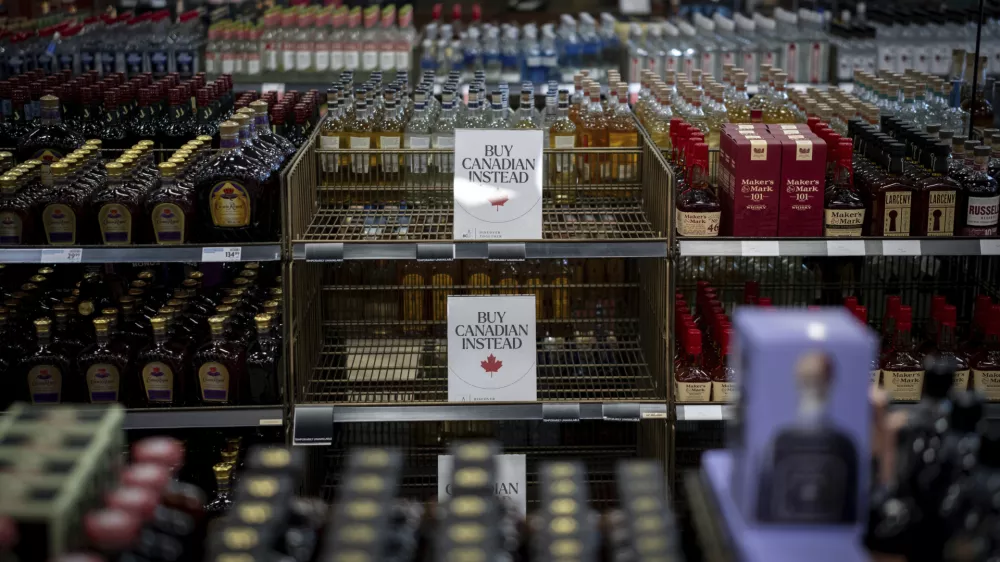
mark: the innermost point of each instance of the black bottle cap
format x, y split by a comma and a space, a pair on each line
966, 412
939, 376
896, 149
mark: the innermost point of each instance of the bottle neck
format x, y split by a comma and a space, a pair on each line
895, 165
160, 336
229, 142
901, 340
51, 116
946, 337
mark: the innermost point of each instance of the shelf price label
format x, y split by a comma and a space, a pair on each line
234, 253
61, 255
901, 247
511, 484
989, 247
845, 247
491, 349
498, 185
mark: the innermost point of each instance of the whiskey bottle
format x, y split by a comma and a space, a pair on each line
985, 364
162, 369
724, 374
622, 133
592, 132
117, 208
170, 208
43, 375
691, 382
49, 140
947, 347
16, 219
902, 367
698, 211
936, 196
263, 132
978, 206
15, 126
219, 367
892, 196
844, 211
562, 168
103, 368
113, 126
263, 359
223, 500
62, 209
229, 189
176, 128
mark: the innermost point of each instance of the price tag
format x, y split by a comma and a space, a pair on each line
234, 253
989, 247
706, 412
634, 7
755, 248
61, 255
654, 415
845, 247
275, 86
900, 247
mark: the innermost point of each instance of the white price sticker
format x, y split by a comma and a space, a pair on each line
900, 247
845, 247
222, 254
989, 247
275, 86
754, 248
61, 255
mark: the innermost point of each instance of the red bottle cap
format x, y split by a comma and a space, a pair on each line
892, 304
164, 451
850, 302
278, 115
456, 12
174, 95
436, 12
111, 530
146, 475
845, 149
948, 314
702, 285
145, 96
137, 502
701, 153
301, 113
993, 321
203, 97
764, 301
812, 122
111, 99
937, 304
725, 336
904, 314
861, 313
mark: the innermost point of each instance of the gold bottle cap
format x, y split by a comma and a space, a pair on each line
33, 163
183, 154
50, 102
235, 291
222, 470
240, 281
115, 169
175, 303
28, 287
93, 142
136, 292
196, 275
42, 325
229, 456
102, 324
229, 128
110, 311
167, 311
8, 184
190, 284
254, 265
205, 139
126, 300
259, 107
158, 322
217, 324
230, 300
224, 309
241, 119
138, 284
263, 321
146, 143
245, 111
37, 279
272, 304
167, 169
181, 295
249, 274
86, 308
276, 291
59, 169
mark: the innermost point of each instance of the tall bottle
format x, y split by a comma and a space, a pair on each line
263, 359
50, 139
892, 196
844, 211
43, 375
63, 209
592, 132
219, 367
104, 369
698, 210
902, 367
936, 196
562, 167
622, 133
691, 382
978, 207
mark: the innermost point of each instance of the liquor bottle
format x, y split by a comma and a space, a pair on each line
114, 128
724, 374
738, 107
219, 367
592, 132
978, 206
389, 136
360, 138
62, 209
622, 133
985, 364
263, 359
170, 208
48, 139
17, 223
698, 211
936, 196
691, 382
162, 369
902, 367
43, 374
844, 211
117, 209
562, 167
223, 500
263, 132
947, 347
229, 188
17, 125
892, 195
103, 368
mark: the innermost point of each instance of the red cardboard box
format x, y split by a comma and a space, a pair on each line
801, 188
749, 172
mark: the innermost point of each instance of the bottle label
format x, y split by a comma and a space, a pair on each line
352, 60
133, 64
903, 385
418, 162
390, 162
184, 60
723, 391
303, 59
211, 63
60, 224
103, 382
271, 60
876, 377
48, 155
445, 162
843, 222
158, 381
693, 391
322, 60
108, 62
369, 58
941, 213
387, 60
168, 224
403, 58
10, 228
896, 219
331, 162
987, 382
158, 63
65, 62
708, 63
253, 65
116, 224
230, 204
288, 60
983, 211
45, 384
698, 224
214, 380
360, 163
336, 59
962, 380
564, 162
228, 63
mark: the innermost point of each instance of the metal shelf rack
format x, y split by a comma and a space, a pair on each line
197, 418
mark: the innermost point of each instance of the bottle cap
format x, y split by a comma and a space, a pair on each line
115, 169
263, 320
167, 169
146, 475
59, 169
50, 102
229, 128
111, 530
137, 502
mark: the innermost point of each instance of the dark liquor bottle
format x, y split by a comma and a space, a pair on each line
177, 130
103, 368
63, 209
264, 133
162, 369
219, 367
698, 210
111, 532
145, 119
14, 128
724, 374
16, 219
903, 367
692, 383
43, 374
90, 112
49, 139
892, 195
262, 364
978, 207
206, 123
986, 363
117, 209
114, 133
937, 194
223, 500
947, 346
171, 208
844, 211
229, 189
64, 339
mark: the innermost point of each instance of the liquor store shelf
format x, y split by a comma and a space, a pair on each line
545, 411
193, 418
719, 412
436, 251
758, 247
132, 254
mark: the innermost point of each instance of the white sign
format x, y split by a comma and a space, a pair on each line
491, 349
61, 255
511, 484
222, 254
498, 184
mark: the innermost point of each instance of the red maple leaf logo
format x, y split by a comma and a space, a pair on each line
491, 365
498, 201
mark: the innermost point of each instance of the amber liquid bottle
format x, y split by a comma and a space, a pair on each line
263, 359
592, 132
50, 139
892, 196
219, 367
978, 207
117, 208
16, 220
161, 369
698, 210
63, 210
844, 211
43, 375
103, 368
691, 382
937, 195
229, 191
986, 363
902, 367
170, 208
724, 374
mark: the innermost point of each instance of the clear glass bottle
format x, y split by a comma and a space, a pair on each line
779, 109
592, 132
562, 167
270, 42
417, 136
359, 137
443, 138
390, 137
623, 132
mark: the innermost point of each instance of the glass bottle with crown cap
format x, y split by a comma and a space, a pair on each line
44, 374
219, 367
162, 369
263, 359
49, 140
264, 132
229, 188
63, 209
117, 209
223, 500
170, 208
104, 369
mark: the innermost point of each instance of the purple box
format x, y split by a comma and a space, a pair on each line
800, 443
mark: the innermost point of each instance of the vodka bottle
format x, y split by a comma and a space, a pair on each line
674, 55
510, 56
370, 40
611, 46
590, 43
352, 40
387, 43
788, 31
710, 56
270, 42
692, 55
338, 39
289, 40
725, 36
321, 41
770, 45
303, 40
406, 36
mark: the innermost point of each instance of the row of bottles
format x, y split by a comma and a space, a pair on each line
155, 345
702, 366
